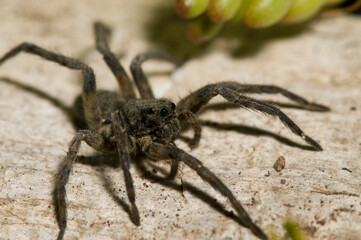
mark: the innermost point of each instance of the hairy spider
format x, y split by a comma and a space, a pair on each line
121, 123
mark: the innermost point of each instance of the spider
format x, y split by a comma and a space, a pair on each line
124, 125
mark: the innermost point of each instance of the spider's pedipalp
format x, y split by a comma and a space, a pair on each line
197, 128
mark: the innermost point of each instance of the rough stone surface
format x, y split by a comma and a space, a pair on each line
319, 190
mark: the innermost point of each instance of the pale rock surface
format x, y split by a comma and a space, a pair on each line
319, 190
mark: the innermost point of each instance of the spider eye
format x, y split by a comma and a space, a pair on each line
150, 111
163, 112
172, 106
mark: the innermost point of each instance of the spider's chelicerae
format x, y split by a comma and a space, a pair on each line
122, 124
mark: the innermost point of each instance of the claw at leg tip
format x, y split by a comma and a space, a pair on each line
135, 215
312, 142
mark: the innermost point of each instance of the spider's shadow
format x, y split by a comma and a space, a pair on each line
145, 168
247, 130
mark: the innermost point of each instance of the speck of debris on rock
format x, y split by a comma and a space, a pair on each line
280, 164
346, 169
283, 181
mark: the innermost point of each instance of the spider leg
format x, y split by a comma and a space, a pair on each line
139, 77
173, 170
92, 139
89, 85
102, 33
271, 89
197, 129
159, 151
196, 100
121, 138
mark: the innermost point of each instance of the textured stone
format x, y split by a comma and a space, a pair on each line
320, 190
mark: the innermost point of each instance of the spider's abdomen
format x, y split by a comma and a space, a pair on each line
108, 102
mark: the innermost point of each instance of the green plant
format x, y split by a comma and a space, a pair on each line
208, 16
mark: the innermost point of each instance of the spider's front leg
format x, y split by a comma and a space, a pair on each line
201, 97
271, 89
89, 84
160, 151
92, 139
102, 33
140, 78
121, 138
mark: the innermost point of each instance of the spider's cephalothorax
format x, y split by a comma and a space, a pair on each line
119, 122
154, 117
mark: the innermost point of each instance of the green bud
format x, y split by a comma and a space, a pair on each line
240, 12
302, 10
264, 13
202, 29
223, 10
294, 231
191, 8
334, 2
